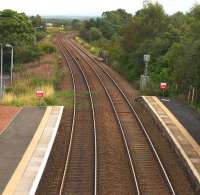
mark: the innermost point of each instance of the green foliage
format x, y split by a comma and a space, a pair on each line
94, 34
16, 28
27, 53
172, 41
46, 48
37, 21
76, 24
110, 24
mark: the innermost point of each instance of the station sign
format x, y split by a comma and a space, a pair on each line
40, 93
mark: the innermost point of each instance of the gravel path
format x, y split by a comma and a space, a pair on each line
186, 115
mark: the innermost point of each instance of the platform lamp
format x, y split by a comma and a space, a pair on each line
11, 70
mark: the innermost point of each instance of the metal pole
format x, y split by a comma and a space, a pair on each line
1, 70
12, 65
146, 69
35, 38
11, 68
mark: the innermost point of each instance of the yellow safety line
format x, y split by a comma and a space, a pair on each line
13, 182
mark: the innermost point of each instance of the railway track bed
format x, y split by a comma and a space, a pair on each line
109, 150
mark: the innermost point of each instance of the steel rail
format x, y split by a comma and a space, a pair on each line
73, 124
134, 112
122, 131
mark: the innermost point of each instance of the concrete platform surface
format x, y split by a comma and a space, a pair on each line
184, 144
186, 115
27, 174
15, 139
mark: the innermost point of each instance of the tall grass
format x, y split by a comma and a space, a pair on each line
28, 97
92, 49
32, 76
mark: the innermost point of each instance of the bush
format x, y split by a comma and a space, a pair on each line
46, 48
40, 35
28, 54
94, 34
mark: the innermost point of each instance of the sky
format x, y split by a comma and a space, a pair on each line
89, 7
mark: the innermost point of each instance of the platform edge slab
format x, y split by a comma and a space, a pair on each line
15, 178
188, 163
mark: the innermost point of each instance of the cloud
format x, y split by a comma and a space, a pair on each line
88, 7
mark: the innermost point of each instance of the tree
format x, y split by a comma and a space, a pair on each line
173, 42
37, 21
16, 28
94, 34
76, 24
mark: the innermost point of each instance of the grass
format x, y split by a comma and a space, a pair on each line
89, 47
43, 74
28, 97
23, 93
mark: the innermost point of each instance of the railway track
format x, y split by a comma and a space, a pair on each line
131, 190
149, 173
102, 146
79, 175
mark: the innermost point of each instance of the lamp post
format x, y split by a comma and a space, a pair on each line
11, 70
35, 28
1, 87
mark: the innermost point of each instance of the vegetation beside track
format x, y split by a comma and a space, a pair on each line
40, 69
91, 48
172, 41
45, 74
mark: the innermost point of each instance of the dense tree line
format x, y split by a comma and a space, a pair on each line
173, 42
17, 29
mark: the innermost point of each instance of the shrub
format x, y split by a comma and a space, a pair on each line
47, 48
28, 54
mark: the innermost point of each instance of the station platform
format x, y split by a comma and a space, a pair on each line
25, 146
184, 144
186, 114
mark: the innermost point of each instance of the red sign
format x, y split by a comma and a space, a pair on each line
163, 86
40, 93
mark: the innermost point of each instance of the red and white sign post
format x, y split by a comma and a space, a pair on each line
163, 87
39, 94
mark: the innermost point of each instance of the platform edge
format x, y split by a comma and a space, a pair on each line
47, 153
15, 178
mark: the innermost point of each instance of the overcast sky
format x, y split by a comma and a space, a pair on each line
88, 7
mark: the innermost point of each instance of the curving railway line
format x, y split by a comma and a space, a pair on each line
79, 175
109, 150
149, 173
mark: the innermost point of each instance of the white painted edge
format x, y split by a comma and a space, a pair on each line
46, 156
176, 143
